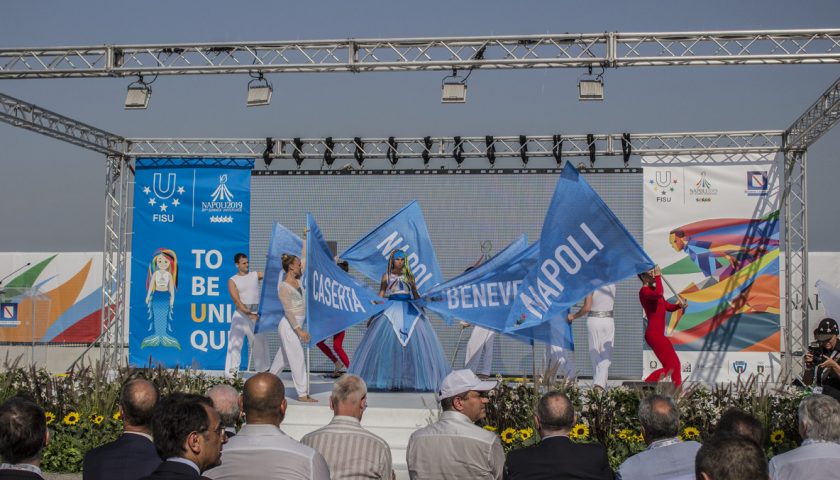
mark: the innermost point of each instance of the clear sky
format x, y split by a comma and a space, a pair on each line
52, 192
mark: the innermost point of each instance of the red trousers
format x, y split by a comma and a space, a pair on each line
338, 338
667, 356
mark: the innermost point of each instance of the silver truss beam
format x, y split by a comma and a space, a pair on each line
610, 49
796, 259
32, 117
343, 149
819, 118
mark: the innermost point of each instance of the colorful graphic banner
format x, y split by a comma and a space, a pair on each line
406, 230
335, 301
271, 310
714, 231
191, 216
583, 245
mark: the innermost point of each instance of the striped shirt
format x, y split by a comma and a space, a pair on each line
350, 450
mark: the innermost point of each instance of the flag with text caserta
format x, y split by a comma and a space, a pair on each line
582, 245
483, 295
271, 310
405, 230
335, 301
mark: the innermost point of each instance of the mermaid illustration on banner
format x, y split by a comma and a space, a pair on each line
400, 350
161, 283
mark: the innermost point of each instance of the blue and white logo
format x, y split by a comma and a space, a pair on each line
740, 366
757, 184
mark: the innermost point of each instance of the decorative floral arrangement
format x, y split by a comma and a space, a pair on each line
610, 417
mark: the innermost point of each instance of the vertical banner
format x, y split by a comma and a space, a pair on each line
191, 216
714, 231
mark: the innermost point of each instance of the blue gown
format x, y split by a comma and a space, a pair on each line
383, 362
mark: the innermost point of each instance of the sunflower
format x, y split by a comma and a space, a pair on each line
97, 419
490, 428
526, 433
638, 438
50, 417
625, 433
116, 416
579, 431
72, 418
690, 433
508, 435
777, 437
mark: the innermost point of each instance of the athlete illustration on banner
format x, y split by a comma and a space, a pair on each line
161, 283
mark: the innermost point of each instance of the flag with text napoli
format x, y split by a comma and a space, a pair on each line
582, 245
406, 230
271, 310
335, 301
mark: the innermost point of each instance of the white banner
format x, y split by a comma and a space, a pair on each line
714, 230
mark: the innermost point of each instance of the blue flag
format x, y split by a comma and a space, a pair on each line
405, 230
335, 301
582, 246
271, 310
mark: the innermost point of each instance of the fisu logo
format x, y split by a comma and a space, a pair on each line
164, 193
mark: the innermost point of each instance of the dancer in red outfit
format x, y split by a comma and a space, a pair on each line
655, 307
338, 339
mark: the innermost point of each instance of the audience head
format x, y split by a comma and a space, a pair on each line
819, 418
226, 401
264, 399
738, 422
555, 413
463, 392
660, 417
187, 426
23, 431
138, 398
349, 396
730, 457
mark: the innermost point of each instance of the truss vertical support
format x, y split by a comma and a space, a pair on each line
112, 339
796, 261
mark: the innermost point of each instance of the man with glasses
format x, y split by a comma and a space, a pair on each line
188, 434
454, 447
822, 362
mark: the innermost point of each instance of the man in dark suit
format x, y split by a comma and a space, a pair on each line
556, 456
133, 454
189, 435
23, 436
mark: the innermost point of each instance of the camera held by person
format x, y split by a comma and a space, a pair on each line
822, 361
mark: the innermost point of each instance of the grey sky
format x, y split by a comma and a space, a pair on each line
52, 193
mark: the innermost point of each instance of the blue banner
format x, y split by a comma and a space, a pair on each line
335, 301
406, 230
582, 246
191, 216
271, 310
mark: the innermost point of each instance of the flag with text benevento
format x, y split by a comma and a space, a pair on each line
582, 245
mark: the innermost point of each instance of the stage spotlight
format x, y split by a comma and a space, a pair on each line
269, 150
591, 87
454, 88
259, 91
427, 147
138, 95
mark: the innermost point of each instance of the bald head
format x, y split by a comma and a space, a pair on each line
555, 413
264, 399
137, 401
226, 401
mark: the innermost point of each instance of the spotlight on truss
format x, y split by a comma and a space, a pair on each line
138, 95
259, 91
591, 90
454, 89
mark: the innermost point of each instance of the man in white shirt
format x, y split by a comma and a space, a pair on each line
454, 447
819, 455
244, 289
261, 449
600, 326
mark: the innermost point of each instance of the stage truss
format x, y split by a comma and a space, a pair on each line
533, 51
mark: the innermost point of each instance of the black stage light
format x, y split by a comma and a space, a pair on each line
359, 153
328, 151
392, 151
491, 149
269, 150
427, 144
458, 151
523, 149
590, 140
557, 149
626, 148
296, 153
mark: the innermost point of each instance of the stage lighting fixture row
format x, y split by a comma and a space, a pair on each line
138, 95
259, 91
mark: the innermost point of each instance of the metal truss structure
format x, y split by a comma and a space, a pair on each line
610, 49
508, 52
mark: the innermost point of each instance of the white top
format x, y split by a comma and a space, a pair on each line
811, 460
396, 285
264, 451
248, 286
603, 299
162, 279
292, 301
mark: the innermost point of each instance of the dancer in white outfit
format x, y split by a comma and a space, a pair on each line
558, 360
600, 324
478, 355
290, 329
244, 289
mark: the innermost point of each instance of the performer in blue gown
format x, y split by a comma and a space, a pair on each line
381, 359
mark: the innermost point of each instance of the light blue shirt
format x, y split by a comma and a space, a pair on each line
667, 459
818, 460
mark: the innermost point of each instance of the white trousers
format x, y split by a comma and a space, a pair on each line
601, 342
559, 361
241, 327
291, 353
478, 356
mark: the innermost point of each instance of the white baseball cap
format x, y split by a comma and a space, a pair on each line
461, 381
